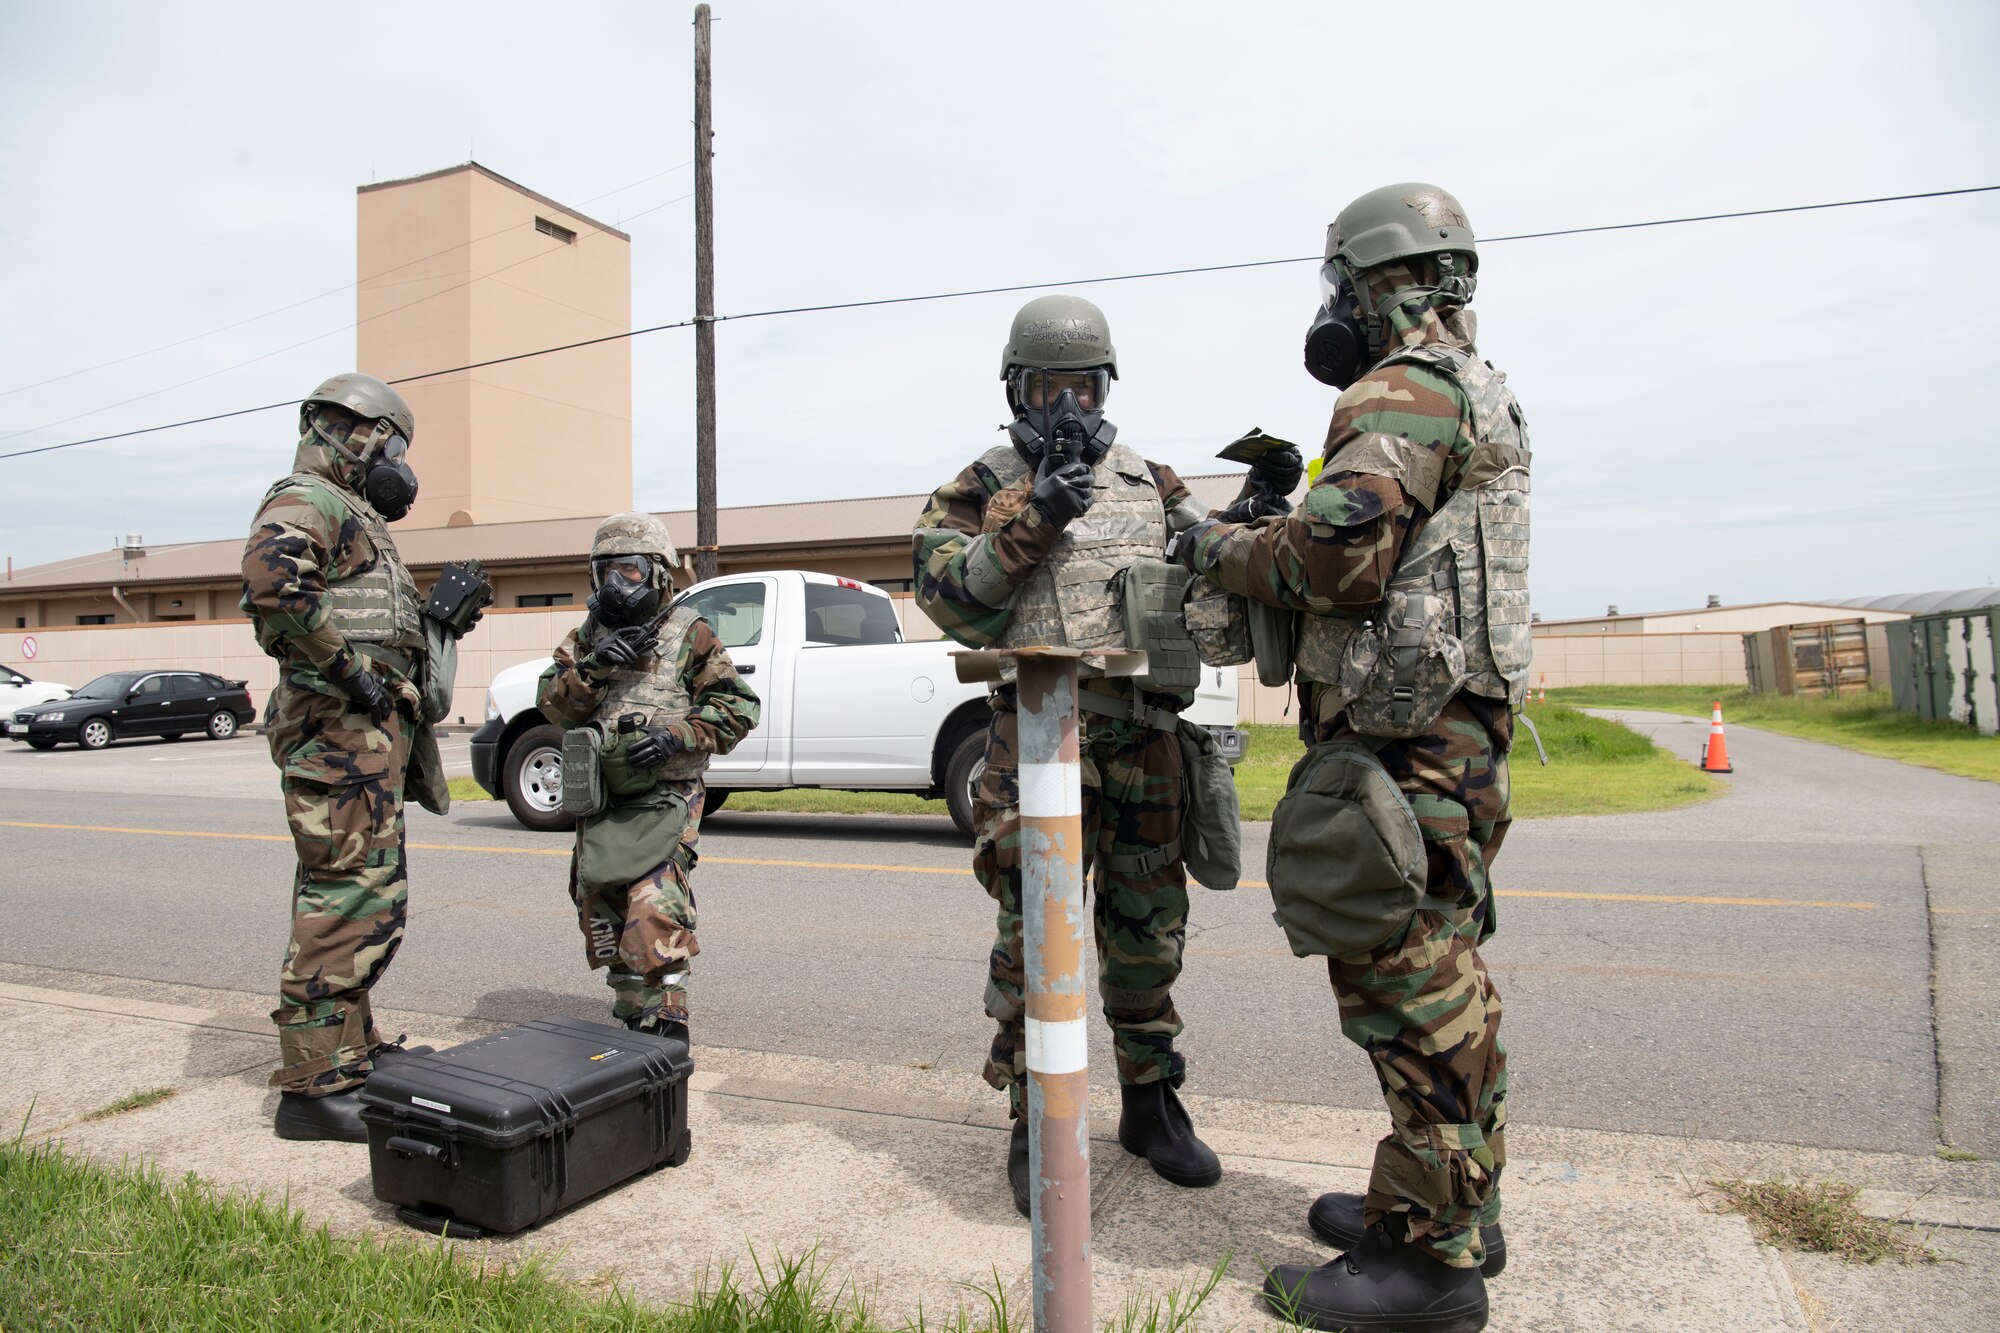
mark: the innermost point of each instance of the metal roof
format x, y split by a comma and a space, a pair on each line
1922, 603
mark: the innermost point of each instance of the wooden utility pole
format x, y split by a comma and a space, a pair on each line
704, 307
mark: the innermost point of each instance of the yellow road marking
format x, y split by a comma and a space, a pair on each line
1702, 900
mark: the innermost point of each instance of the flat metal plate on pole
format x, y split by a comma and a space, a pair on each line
983, 664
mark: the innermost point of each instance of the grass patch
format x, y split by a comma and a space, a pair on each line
1867, 722
465, 789
136, 1102
1596, 767
90, 1247
1958, 1155
1824, 1219
813, 801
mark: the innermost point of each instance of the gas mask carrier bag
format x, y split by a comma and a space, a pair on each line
500, 1133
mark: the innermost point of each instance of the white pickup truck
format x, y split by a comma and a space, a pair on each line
848, 705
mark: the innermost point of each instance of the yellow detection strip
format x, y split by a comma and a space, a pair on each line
1839, 904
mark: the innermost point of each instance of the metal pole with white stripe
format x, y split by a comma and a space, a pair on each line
1056, 927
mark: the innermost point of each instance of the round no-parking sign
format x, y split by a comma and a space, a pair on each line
29, 647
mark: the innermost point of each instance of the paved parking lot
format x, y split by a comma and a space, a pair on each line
1757, 968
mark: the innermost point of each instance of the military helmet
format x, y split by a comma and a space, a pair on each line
366, 397
1059, 332
1396, 222
634, 532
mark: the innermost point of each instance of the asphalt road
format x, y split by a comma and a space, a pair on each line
1758, 967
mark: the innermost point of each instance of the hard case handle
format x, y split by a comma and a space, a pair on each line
418, 1148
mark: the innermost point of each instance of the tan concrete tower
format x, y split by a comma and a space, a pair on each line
463, 265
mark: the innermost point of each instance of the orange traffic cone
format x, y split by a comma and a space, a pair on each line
1715, 754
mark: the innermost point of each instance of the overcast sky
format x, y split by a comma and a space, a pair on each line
1800, 406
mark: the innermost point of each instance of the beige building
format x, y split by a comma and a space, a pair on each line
464, 266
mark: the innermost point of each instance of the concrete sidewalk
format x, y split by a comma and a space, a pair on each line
894, 1174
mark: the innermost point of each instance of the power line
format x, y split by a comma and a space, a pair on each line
331, 291
293, 402
979, 291
306, 342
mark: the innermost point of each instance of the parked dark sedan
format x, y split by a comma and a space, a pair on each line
125, 704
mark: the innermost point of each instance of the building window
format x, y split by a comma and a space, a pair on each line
556, 230
20, 622
545, 599
895, 585
93, 620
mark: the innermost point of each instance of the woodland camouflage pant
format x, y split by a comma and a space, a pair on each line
1423, 1006
1131, 811
342, 779
644, 932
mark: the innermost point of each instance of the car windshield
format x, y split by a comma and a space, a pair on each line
112, 686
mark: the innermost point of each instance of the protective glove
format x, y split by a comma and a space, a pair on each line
1062, 490
621, 647
1253, 507
367, 692
1184, 545
658, 745
1278, 472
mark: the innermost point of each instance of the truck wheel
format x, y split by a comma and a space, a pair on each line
713, 799
532, 780
961, 778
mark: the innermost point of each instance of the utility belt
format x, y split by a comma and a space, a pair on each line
1211, 825
397, 661
1100, 704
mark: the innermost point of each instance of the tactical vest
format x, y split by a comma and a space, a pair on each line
378, 605
652, 687
1071, 600
1465, 576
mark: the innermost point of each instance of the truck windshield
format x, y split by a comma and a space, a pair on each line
849, 617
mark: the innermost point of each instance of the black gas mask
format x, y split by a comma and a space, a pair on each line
1337, 341
626, 589
1060, 412
379, 456
389, 486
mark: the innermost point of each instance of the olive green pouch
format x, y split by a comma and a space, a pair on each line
622, 777
1212, 828
629, 840
583, 771
1346, 861
1150, 593
1273, 640
424, 781
1218, 622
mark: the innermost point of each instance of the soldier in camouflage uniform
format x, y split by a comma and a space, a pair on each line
1024, 547
333, 603
1407, 564
659, 685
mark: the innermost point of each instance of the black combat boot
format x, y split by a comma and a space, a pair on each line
651, 1023
1382, 1285
1336, 1219
336, 1116
1017, 1167
1154, 1125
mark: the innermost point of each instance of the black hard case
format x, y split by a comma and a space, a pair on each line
500, 1133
